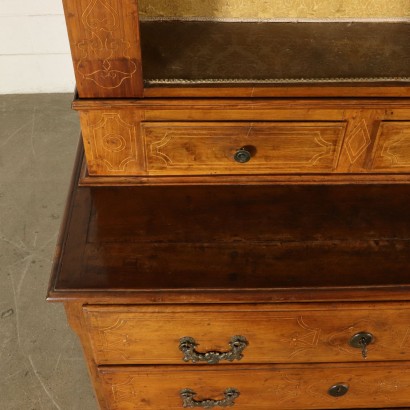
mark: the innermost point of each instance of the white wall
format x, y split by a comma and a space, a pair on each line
34, 48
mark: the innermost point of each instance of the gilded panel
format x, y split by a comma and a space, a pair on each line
280, 9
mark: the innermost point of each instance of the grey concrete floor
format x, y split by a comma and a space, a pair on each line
41, 362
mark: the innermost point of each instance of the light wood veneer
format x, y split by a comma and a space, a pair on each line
354, 140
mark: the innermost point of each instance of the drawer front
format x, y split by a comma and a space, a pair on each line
139, 335
392, 151
210, 148
263, 387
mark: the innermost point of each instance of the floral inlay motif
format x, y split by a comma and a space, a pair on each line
100, 52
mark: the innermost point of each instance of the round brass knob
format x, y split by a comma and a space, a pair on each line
338, 390
242, 156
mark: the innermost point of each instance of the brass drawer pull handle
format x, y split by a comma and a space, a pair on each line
360, 341
187, 346
188, 395
242, 155
339, 390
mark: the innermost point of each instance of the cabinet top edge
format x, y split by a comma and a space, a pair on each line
172, 101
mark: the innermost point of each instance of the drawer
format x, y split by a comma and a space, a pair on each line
258, 387
182, 141
209, 335
392, 149
241, 148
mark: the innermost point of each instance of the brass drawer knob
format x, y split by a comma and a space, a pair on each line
338, 390
242, 155
360, 341
230, 394
188, 344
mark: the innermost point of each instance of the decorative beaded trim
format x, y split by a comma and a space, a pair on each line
274, 80
279, 20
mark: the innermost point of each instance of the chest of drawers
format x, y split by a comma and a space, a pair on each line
279, 297
237, 230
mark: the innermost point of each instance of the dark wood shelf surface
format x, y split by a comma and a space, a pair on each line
228, 242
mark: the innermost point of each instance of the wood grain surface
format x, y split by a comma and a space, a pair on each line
105, 47
261, 387
308, 140
210, 148
228, 244
275, 334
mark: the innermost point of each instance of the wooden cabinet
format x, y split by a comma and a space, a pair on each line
282, 297
131, 73
237, 230
117, 56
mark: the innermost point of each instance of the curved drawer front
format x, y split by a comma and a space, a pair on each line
262, 387
141, 335
213, 148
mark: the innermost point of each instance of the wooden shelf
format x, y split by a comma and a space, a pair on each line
206, 53
217, 242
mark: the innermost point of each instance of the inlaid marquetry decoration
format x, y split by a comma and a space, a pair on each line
104, 42
357, 141
115, 339
281, 9
384, 385
286, 388
272, 337
110, 143
406, 340
212, 148
105, 47
124, 391
304, 339
392, 150
362, 126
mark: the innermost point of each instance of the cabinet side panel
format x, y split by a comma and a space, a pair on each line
75, 320
111, 142
105, 46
